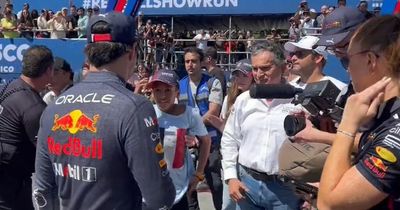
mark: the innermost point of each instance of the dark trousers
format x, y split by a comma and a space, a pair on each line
15, 193
181, 205
214, 180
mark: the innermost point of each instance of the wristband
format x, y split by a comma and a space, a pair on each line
351, 135
200, 177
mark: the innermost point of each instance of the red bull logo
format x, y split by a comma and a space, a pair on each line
74, 147
378, 163
75, 121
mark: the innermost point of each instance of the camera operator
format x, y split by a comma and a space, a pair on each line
308, 63
255, 127
374, 181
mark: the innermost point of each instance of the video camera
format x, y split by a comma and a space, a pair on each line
318, 98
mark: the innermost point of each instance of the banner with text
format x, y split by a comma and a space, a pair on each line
198, 7
11, 51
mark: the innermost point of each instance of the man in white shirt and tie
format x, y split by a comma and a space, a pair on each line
253, 136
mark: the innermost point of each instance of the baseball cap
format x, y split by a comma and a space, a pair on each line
339, 24
165, 76
243, 66
62, 64
303, 1
306, 43
122, 28
64, 8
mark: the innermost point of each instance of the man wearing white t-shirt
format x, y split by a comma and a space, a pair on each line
202, 39
308, 62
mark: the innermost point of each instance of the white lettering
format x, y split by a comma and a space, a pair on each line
182, 4
234, 3
207, 3
191, 2
392, 141
6, 55
149, 121
104, 4
157, 4
58, 169
220, 4
84, 99
165, 2
88, 174
187, 3
6, 69
95, 3
78, 99
395, 130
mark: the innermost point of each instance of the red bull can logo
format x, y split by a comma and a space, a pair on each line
378, 163
75, 121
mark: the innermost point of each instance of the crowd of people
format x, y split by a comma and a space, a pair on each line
27, 23
163, 134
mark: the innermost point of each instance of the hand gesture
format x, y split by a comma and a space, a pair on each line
362, 107
237, 189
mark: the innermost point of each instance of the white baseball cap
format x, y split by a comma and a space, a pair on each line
306, 43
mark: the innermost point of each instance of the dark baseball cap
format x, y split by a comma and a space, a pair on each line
61, 64
165, 76
339, 24
122, 28
243, 66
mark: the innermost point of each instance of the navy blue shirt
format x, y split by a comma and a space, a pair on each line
20, 110
379, 156
99, 148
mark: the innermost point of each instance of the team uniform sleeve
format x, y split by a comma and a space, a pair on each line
146, 158
230, 142
197, 127
380, 164
44, 183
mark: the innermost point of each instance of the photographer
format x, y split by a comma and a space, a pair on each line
373, 182
255, 126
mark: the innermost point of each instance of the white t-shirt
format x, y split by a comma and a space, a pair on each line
173, 129
202, 40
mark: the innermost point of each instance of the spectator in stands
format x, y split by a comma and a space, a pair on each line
82, 23
62, 80
42, 24
25, 24
341, 3
9, 22
274, 36
25, 7
72, 22
64, 12
250, 40
377, 11
89, 12
51, 14
321, 17
202, 39
96, 10
331, 9
306, 23
35, 16
363, 7
58, 26
294, 30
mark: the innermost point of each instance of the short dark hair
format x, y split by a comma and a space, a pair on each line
102, 53
211, 52
36, 60
194, 50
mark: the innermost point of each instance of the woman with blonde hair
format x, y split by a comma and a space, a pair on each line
372, 179
58, 26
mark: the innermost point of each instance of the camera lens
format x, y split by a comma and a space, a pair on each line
294, 124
